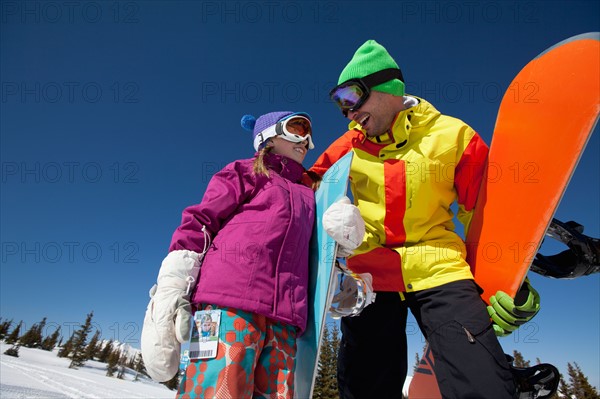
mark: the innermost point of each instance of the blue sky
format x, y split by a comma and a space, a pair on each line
114, 116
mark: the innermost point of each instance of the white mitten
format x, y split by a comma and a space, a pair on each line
342, 221
167, 323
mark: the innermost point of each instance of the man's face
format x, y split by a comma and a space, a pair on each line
376, 114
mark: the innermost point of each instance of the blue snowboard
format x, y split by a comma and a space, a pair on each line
321, 277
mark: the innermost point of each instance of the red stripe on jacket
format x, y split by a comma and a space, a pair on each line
469, 173
395, 201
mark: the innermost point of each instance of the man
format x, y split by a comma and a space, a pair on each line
410, 164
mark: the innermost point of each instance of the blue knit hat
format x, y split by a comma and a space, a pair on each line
258, 126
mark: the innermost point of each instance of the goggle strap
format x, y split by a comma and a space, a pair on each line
382, 76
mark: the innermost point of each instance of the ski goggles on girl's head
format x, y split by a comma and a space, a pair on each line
295, 128
353, 93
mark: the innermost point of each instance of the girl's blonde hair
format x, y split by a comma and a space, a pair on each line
259, 163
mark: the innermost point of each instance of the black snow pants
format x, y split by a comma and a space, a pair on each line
469, 361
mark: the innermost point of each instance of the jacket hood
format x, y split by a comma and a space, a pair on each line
415, 117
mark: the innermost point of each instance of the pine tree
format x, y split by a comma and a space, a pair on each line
579, 386
587, 390
563, 389
138, 366
519, 361
573, 384
49, 343
27, 340
321, 372
40, 333
12, 351
65, 349
93, 348
14, 335
78, 341
326, 381
106, 352
4, 327
122, 362
33, 337
173, 383
417, 362
418, 359
113, 362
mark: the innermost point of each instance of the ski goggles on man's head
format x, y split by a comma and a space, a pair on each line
353, 93
296, 128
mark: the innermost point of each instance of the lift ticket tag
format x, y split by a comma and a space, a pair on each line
205, 334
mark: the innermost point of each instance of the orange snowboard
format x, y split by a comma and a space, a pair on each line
545, 120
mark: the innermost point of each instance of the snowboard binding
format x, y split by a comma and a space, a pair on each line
353, 295
581, 259
537, 382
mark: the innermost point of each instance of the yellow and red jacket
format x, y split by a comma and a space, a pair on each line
404, 184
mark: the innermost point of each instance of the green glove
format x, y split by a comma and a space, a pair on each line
508, 314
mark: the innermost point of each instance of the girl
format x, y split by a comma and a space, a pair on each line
251, 231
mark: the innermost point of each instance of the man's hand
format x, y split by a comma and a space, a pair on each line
342, 221
508, 314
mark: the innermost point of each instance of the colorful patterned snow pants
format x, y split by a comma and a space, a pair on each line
256, 358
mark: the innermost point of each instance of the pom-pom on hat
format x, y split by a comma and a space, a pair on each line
372, 57
258, 126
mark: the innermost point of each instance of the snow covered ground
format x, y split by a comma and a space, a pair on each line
38, 374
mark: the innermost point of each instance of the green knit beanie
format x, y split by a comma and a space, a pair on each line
372, 57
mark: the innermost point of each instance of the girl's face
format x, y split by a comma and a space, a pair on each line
206, 326
295, 151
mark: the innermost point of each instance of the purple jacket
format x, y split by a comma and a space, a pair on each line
261, 228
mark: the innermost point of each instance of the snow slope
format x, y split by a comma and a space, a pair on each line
38, 374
